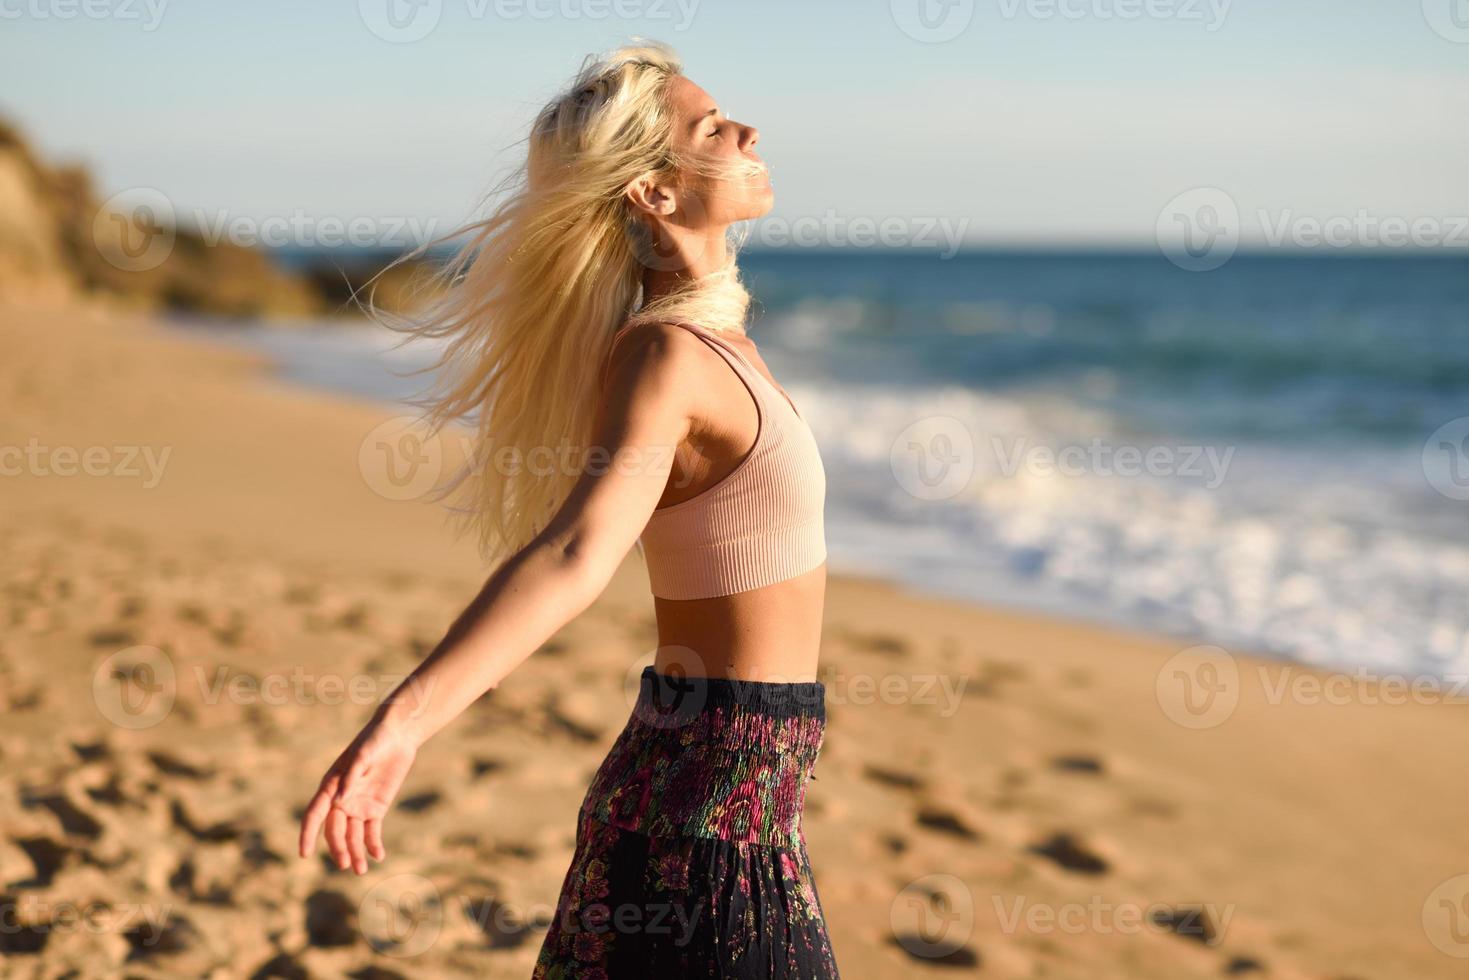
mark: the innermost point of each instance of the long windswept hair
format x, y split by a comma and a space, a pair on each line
528, 306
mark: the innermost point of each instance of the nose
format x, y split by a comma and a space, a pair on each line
749, 137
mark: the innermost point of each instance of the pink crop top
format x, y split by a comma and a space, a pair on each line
763, 523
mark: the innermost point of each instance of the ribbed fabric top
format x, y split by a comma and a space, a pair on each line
763, 523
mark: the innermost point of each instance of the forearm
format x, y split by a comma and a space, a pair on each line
522, 605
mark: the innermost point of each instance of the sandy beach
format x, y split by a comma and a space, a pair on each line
205, 591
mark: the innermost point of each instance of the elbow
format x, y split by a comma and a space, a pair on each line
585, 571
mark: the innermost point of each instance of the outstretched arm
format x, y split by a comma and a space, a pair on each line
645, 414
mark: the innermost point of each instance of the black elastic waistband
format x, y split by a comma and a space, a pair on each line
692, 695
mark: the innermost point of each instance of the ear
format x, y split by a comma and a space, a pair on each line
650, 197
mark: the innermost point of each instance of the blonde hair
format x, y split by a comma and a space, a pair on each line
527, 308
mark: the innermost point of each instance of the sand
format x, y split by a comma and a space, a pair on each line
196, 627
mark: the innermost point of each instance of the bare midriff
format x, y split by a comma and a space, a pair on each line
772, 633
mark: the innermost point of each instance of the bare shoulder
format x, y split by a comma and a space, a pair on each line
655, 380
655, 354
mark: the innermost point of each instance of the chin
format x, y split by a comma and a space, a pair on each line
761, 202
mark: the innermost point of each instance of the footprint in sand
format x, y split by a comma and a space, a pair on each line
172, 765
1071, 854
331, 919
500, 923
217, 833
30, 699
515, 849
894, 778
963, 957
91, 751
110, 793
993, 674
74, 820
1189, 921
282, 967
373, 973
945, 821
47, 858
255, 851
482, 767
116, 637
420, 802
176, 935
184, 881
18, 938
882, 644
1085, 764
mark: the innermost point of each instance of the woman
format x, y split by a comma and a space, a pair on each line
600, 306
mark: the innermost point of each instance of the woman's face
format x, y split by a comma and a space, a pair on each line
702, 132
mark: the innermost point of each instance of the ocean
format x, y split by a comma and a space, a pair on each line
1272, 457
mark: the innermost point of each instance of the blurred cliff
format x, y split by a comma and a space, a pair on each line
58, 241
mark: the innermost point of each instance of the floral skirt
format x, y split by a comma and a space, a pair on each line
690, 861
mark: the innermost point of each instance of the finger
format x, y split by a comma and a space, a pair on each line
311, 821
336, 837
375, 840
355, 845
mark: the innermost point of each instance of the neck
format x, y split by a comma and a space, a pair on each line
689, 255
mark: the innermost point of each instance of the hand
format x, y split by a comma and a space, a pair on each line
356, 794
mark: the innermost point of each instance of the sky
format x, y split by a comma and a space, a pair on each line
995, 122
